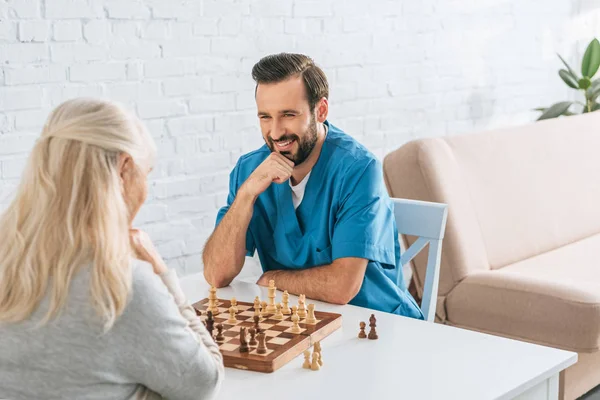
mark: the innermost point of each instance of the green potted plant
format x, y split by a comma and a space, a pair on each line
590, 88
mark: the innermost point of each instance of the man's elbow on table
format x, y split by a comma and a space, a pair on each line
216, 278
344, 293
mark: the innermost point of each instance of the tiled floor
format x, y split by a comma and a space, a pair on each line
593, 394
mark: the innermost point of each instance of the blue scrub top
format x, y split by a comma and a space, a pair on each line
345, 212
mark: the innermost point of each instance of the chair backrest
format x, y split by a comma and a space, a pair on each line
426, 220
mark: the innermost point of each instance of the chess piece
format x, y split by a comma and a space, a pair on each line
234, 304
301, 306
256, 303
295, 319
210, 322
285, 298
232, 319
243, 341
362, 334
220, 338
252, 341
212, 300
271, 306
257, 325
310, 319
306, 363
315, 362
373, 332
263, 309
317, 348
278, 315
262, 346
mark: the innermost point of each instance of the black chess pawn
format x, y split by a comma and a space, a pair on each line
252, 341
362, 334
257, 325
220, 338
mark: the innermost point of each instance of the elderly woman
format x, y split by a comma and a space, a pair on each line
88, 309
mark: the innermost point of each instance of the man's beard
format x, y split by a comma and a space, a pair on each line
305, 147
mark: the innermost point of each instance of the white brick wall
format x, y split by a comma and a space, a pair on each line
398, 70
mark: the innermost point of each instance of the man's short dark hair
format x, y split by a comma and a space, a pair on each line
279, 67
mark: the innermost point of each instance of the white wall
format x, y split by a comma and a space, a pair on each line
398, 70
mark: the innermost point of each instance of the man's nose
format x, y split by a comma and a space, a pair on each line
277, 130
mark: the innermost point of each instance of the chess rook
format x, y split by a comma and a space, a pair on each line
262, 346
310, 318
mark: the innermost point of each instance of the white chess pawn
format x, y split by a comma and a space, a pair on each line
234, 304
295, 319
232, 319
315, 362
278, 314
306, 363
317, 349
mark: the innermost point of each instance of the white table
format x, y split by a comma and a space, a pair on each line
410, 360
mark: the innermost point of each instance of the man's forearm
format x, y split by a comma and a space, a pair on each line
225, 250
335, 283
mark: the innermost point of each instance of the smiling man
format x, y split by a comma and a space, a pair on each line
311, 201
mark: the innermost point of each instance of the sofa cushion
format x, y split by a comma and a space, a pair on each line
512, 193
552, 298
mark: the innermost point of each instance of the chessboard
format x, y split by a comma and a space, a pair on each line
282, 345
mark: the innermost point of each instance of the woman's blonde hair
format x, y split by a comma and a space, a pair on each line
69, 211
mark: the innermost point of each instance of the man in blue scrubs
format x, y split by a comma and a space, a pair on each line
311, 201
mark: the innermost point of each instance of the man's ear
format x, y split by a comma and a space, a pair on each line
322, 110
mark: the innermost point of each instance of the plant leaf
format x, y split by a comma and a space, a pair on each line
568, 78
593, 92
596, 107
542, 109
591, 59
568, 66
585, 83
556, 110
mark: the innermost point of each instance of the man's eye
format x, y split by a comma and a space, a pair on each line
265, 117
288, 115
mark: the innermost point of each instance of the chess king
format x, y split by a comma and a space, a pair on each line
311, 201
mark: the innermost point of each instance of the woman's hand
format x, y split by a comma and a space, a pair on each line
144, 250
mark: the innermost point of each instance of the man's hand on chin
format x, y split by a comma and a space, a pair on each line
266, 277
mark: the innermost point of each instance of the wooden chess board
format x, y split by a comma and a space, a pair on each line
282, 345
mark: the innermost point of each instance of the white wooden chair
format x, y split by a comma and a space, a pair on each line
426, 220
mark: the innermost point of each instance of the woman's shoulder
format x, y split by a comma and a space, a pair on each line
145, 284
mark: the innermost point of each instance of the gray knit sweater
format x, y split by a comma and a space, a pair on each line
158, 347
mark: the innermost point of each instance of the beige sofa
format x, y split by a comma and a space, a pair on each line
521, 254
